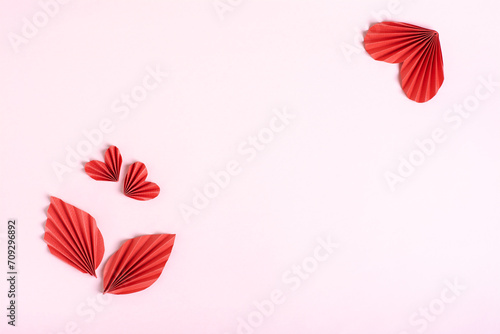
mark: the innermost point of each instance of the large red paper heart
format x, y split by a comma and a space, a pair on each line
417, 48
136, 186
109, 170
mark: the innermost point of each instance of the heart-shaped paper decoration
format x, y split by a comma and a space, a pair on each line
417, 48
109, 170
136, 186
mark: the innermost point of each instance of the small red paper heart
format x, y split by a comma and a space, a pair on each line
109, 170
136, 186
419, 51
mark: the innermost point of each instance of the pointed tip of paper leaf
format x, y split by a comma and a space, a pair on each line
137, 264
71, 235
419, 51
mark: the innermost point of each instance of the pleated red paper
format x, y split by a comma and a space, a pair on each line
109, 170
72, 235
136, 186
137, 264
417, 48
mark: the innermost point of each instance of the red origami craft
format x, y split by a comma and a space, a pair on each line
136, 186
417, 48
72, 235
137, 264
109, 170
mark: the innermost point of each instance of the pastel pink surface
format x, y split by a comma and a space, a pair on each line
322, 174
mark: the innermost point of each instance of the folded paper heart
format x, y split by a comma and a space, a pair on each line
419, 51
109, 170
136, 186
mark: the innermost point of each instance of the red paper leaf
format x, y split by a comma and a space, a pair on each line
109, 170
72, 235
136, 186
417, 48
137, 264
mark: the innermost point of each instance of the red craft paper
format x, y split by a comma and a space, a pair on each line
109, 170
137, 264
417, 48
136, 186
72, 235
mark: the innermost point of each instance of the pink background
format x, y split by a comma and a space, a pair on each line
321, 176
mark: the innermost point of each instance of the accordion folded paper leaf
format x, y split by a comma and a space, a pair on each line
417, 48
72, 235
136, 186
109, 170
137, 264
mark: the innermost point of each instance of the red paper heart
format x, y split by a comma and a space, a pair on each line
109, 170
417, 48
136, 186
